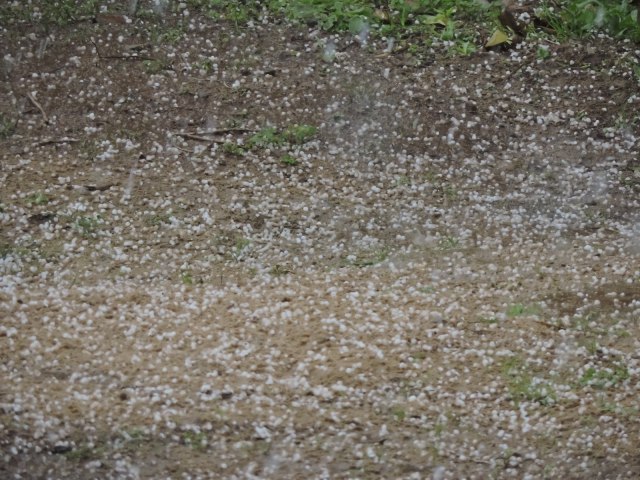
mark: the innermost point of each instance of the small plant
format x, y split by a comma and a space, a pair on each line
171, 35
590, 345
368, 259
289, 160
7, 126
64, 12
5, 249
299, 134
487, 321
38, 198
615, 408
542, 53
519, 309
331, 15
449, 192
83, 453
449, 243
206, 65
267, 137
153, 67
427, 290
465, 48
186, 278
270, 137
87, 226
399, 414
580, 18
636, 72
197, 440
604, 378
522, 386
279, 270
134, 437
402, 180
439, 428
240, 249
159, 219
233, 149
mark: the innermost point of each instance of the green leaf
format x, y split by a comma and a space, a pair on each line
497, 38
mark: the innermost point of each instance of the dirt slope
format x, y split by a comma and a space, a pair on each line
440, 279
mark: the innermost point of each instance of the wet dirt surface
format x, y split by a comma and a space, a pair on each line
440, 280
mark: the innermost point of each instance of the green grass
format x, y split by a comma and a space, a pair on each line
269, 137
233, 149
158, 219
38, 198
240, 249
279, 270
265, 138
153, 67
464, 24
605, 377
195, 440
6, 249
47, 12
84, 453
186, 278
238, 13
299, 134
171, 35
366, 258
522, 386
448, 243
87, 226
289, 160
33, 252
581, 18
519, 309
542, 53
7, 126
487, 321
608, 407
399, 414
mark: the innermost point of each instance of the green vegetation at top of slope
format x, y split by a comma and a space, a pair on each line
47, 12
581, 18
465, 23
458, 21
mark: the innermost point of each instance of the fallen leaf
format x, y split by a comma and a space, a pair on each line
497, 38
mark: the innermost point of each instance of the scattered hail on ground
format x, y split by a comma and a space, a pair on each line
270, 252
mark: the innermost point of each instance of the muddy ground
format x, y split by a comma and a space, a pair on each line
440, 279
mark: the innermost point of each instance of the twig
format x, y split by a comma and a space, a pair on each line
185, 150
228, 130
99, 188
551, 325
119, 57
199, 138
38, 106
53, 141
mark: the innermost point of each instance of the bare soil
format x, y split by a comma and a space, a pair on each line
446, 283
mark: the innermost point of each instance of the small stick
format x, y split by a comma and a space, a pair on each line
228, 130
53, 141
199, 138
38, 106
185, 150
119, 57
